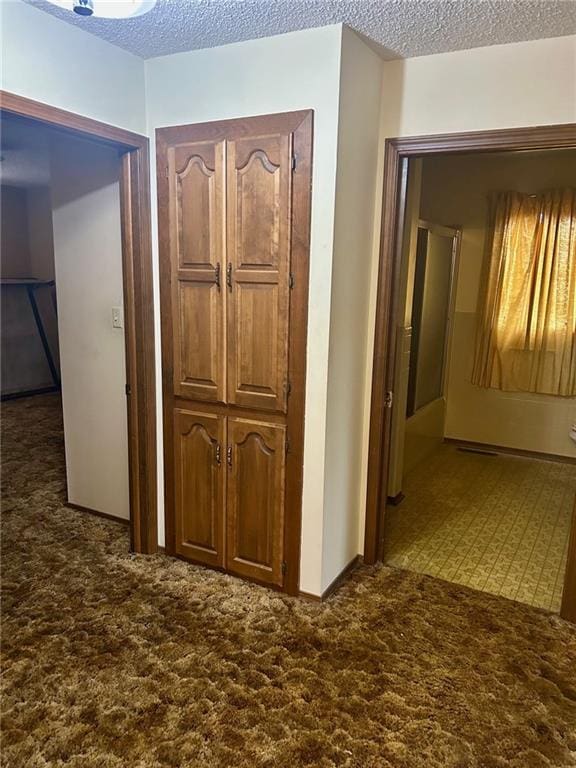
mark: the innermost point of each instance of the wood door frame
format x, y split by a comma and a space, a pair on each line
568, 607
397, 151
138, 299
300, 124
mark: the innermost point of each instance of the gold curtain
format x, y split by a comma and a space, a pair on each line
526, 338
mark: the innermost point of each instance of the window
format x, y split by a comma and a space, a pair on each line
527, 313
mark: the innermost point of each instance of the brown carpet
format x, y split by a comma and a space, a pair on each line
111, 660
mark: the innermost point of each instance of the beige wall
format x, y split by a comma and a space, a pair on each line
501, 86
15, 243
423, 434
356, 195
456, 191
51, 61
88, 256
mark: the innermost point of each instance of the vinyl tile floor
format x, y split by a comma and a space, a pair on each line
499, 524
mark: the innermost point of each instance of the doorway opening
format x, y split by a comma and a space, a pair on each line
77, 330
29, 328
473, 468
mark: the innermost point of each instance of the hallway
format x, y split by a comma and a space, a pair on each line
111, 659
497, 523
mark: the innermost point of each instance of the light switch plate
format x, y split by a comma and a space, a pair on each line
117, 317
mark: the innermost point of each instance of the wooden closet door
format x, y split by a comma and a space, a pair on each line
196, 174
259, 171
199, 461
255, 500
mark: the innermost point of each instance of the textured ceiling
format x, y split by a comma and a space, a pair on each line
401, 28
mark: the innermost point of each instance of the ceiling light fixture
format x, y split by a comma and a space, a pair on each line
107, 9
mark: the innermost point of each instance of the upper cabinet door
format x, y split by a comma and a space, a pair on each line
259, 171
196, 183
255, 500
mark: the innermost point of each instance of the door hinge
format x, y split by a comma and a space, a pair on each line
127, 389
388, 399
287, 445
284, 568
293, 162
287, 388
167, 172
291, 281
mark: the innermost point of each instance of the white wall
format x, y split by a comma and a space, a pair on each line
501, 86
88, 260
456, 190
356, 193
300, 70
46, 59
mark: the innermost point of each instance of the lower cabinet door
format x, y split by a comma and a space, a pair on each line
255, 500
200, 475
